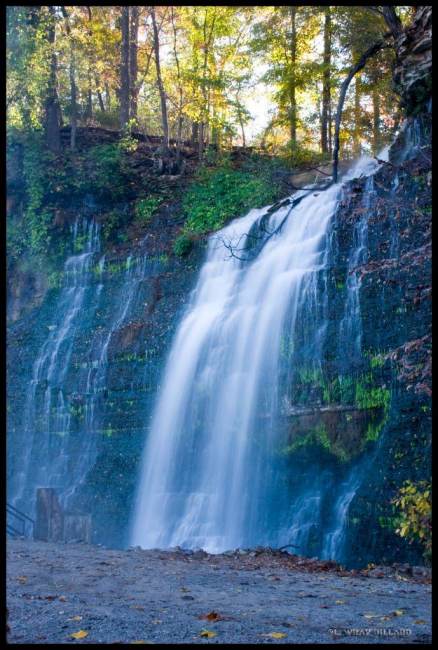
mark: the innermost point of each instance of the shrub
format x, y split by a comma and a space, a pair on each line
183, 245
146, 208
415, 519
220, 194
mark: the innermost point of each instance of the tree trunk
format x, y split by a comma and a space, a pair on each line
326, 90
292, 87
376, 120
52, 109
201, 140
72, 75
330, 128
392, 20
89, 107
344, 87
357, 118
195, 134
133, 67
180, 87
107, 96
124, 69
99, 96
164, 120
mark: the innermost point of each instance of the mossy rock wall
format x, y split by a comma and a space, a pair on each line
336, 409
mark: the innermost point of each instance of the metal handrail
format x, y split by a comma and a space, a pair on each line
20, 517
17, 513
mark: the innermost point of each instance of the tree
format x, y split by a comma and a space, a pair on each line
124, 93
164, 120
376, 47
72, 74
52, 109
133, 66
326, 87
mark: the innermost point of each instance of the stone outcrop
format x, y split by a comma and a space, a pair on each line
413, 70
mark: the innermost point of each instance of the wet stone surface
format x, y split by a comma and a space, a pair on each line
116, 596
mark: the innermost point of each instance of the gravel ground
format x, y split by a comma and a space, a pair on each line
116, 596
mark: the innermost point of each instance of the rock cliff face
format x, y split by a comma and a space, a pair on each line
413, 71
363, 412
356, 424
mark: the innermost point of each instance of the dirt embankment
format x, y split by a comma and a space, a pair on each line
74, 593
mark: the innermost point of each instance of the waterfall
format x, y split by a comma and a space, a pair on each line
210, 473
65, 406
47, 457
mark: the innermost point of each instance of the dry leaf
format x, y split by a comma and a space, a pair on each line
398, 612
62, 599
211, 616
79, 635
208, 633
420, 622
22, 579
141, 641
75, 618
340, 602
276, 635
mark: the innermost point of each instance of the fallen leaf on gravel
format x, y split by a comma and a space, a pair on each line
420, 622
79, 635
340, 602
398, 612
208, 633
22, 579
141, 641
276, 635
211, 616
62, 599
75, 618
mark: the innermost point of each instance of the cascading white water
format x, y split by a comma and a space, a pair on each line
64, 409
46, 454
208, 463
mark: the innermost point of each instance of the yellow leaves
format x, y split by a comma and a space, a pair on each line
276, 635
207, 633
79, 635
